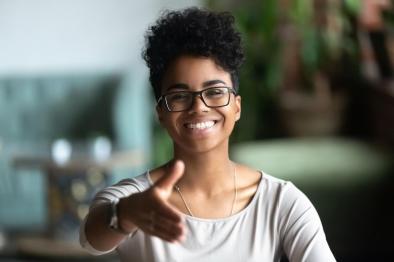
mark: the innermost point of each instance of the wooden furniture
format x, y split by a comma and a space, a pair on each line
70, 189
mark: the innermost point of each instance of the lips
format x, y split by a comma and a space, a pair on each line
201, 125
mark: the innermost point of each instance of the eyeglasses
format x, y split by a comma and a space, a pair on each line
183, 100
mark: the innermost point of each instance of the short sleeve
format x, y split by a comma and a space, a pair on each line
301, 231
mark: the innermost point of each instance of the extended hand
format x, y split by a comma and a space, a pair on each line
151, 212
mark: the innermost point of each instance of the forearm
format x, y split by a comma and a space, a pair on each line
98, 233
135, 210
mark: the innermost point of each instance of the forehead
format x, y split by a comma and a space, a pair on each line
194, 73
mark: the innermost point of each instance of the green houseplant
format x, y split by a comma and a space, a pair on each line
295, 57
311, 102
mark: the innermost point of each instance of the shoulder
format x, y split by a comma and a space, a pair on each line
122, 189
280, 186
284, 196
288, 204
146, 179
291, 206
270, 185
140, 182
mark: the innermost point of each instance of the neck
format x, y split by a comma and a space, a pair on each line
209, 172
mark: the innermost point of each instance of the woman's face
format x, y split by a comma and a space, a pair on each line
200, 128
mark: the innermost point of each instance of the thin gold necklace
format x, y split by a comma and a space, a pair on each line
234, 200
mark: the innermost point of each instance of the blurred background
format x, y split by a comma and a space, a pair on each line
77, 113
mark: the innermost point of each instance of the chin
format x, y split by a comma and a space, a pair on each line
201, 146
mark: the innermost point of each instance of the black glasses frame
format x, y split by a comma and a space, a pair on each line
194, 94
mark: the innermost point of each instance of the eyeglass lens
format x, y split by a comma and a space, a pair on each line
212, 97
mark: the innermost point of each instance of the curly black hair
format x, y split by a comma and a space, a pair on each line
196, 32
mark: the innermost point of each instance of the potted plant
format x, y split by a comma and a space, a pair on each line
295, 52
315, 41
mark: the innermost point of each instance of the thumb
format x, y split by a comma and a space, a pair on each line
168, 181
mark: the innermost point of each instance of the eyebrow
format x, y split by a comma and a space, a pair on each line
205, 84
213, 82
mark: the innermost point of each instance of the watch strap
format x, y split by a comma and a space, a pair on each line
114, 218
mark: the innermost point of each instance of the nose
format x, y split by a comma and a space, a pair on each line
198, 104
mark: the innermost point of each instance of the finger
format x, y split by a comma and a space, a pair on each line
169, 226
163, 223
155, 224
154, 232
169, 212
171, 235
158, 230
169, 180
163, 210
165, 236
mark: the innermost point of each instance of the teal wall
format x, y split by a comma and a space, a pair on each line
34, 111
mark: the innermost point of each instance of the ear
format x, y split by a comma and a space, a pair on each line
237, 107
159, 114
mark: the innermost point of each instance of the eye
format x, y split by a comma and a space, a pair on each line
178, 97
215, 92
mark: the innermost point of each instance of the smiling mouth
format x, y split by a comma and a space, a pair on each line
201, 125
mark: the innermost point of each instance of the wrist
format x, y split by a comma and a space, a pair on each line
124, 219
114, 218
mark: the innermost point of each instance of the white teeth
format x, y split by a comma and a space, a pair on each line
202, 125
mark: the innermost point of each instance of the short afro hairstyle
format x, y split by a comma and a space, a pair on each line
195, 32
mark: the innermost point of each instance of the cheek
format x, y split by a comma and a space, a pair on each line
170, 123
230, 118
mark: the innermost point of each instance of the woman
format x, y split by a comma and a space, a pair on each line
201, 206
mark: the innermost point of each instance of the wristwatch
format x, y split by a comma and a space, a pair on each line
114, 219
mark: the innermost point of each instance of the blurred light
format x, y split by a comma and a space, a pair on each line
78, 190
101, 148
61, 151
95, 177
